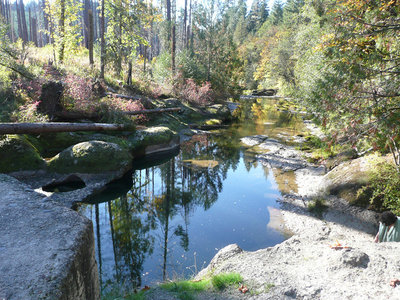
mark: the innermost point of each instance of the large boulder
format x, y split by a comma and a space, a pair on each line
347, 178
91, 157
18, 154
220, 111
153, 139
49, 144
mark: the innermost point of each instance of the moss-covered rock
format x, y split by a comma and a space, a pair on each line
49, 144
18, 154
150, 137
220, 111
213, 122
91, 157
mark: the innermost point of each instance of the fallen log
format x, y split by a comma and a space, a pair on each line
123, 96
21, 128
79, 115
152, 111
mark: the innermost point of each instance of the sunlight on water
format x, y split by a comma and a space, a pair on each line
169, 217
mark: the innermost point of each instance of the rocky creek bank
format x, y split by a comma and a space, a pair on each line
46, 248
308, 265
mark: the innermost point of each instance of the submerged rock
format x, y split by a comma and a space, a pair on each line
253, 140
91, 157
18, 154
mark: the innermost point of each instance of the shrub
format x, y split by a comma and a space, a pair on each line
191, 92
383, 188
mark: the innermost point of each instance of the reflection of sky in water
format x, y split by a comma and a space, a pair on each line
237, 212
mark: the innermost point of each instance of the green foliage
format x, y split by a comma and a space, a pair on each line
187, 286
222, 281
317, 207
383, 188
67, 37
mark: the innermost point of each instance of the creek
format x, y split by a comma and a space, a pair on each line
171, 215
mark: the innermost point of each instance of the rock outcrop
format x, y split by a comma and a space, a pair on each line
91, 157
46, 250
17, 154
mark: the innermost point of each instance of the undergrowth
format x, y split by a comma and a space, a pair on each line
383, 189
187, 289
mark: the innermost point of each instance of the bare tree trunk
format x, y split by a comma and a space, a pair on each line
46, 39
184, 35
23, 20
169, 22
34, 32
173, 50
91, 37
19, 22
129, 78
86, 23
190, 27
30, 24
62, 32
103, 43
95, 20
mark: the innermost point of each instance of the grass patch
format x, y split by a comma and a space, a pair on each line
118, 294
187, 290
187, 286
268, 287
222, 281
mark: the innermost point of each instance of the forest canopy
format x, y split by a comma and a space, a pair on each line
339, 59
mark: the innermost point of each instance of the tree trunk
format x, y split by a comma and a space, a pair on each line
102, 43
168, 23
91, 37
23, 20
34, 32
129, 78
86, 24
184, 35
46, 24
173, 50
95, 20
30, 24
19, 22
22, 128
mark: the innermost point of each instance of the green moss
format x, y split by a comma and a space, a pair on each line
150, 136
49, 144
213, 122
18, 154
91, 157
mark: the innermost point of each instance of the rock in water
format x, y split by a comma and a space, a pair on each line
91, 157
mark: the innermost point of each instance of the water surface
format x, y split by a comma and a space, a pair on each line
169, 217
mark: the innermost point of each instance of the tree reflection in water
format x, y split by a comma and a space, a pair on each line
151, 215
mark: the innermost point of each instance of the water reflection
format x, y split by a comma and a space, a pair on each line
168, 220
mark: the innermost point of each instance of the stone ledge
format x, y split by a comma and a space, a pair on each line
46, 250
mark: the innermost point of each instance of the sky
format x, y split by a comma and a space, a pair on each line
181, 3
